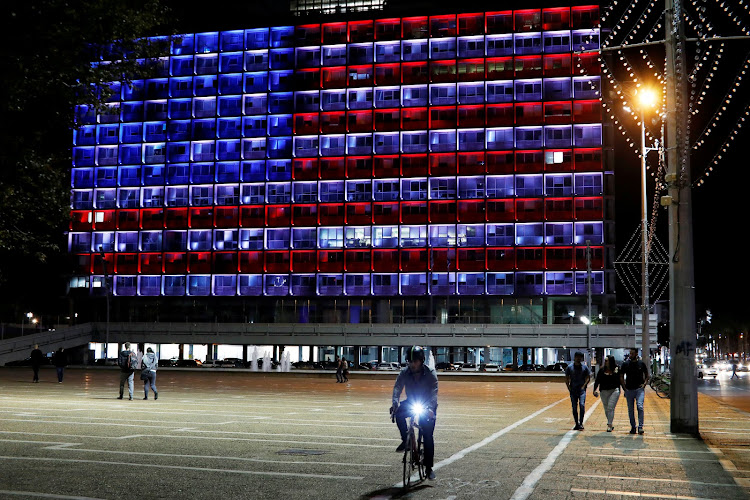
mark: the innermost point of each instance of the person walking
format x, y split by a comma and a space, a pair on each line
608, 380
344, 370
577, 377
127, 360
60, 360
148, 374
339, 371
633, 379
36, 361
734, 370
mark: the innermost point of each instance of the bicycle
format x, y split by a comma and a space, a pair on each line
414, 450
661, 385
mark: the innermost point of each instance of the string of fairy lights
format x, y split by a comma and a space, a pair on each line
706, 64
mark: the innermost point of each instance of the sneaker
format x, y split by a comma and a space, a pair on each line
145, 399
401, 447
156, 396
640, 430
119, 397
130, 398
580, 427
609, 428
577, 428
632, 430
430, 474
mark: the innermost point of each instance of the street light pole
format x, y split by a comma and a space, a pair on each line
682, 340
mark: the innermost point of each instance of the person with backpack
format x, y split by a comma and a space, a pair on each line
127, 361
148, 373
345, 370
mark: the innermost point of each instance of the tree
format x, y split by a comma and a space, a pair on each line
48, 50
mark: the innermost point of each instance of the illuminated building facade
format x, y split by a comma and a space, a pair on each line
450, 155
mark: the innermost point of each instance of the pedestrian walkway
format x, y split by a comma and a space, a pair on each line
658, 464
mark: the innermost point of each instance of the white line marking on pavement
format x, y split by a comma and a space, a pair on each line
656, 479
179, 467
641, 449
44, 495
641, 457
66, 447
634, 494
461, 454
529, 483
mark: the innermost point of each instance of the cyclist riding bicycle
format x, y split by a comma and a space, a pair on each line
421, 384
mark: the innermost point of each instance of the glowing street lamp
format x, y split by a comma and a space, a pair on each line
646, 102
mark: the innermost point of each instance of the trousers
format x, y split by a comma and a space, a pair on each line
126, 377
634, 397
578, 402
609, 401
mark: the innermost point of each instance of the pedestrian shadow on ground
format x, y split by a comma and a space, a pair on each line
388, 493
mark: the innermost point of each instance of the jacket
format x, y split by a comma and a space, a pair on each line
149, 362
424, 388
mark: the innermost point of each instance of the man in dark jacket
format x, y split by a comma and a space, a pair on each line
421, 384
634, 378
60, 360
128, 361
37, 357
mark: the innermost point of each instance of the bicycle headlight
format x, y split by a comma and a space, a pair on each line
417, 409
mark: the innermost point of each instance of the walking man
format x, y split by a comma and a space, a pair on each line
577, 377
128, 361
339, 371
633, 378
734, 370
36, 360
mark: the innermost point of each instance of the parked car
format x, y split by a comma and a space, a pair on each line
189, 363
510, 367
299, 365
388, 366
489, 367
212, 363
364, 366
468, 367
232, 363
104, 362
168, 362
526, 368
539, 368
557, 367
704, 371
445, 366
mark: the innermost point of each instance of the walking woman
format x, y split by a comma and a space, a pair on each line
608, 380
148, 375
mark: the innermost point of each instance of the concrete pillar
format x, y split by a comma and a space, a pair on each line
533, 356
275, 353
181, 354
380, 354
515, 356
487, 352
244, 352
357, 356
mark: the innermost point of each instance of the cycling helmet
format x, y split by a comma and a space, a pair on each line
415, 353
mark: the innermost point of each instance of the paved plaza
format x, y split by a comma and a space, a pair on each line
224, 434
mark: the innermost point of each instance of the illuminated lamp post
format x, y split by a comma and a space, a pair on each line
646, 101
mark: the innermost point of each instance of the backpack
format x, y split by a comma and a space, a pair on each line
127, 360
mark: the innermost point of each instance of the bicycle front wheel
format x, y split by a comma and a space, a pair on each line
407, 462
